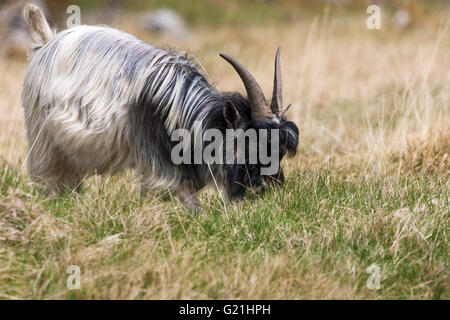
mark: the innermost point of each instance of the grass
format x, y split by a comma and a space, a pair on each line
312, 239
370, 184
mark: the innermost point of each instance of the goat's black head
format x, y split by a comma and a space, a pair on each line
255, 113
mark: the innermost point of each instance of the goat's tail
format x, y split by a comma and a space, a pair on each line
39, 28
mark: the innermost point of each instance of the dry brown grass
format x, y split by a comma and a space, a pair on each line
373, 108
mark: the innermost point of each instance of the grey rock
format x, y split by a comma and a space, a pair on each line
164, 21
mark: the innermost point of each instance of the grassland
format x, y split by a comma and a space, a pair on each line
370, 184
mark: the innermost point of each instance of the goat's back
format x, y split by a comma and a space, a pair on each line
83, 85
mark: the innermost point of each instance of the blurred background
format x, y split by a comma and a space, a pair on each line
359, 95
182, 21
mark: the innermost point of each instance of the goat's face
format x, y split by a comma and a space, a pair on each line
249, 171
265, 127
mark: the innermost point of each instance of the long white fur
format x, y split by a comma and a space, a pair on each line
77, 94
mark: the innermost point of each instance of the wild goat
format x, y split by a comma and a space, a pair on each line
98, 101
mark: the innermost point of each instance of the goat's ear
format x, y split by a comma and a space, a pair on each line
230, 114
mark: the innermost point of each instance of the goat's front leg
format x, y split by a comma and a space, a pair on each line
187, 194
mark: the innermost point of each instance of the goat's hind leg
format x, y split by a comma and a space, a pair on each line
52, 168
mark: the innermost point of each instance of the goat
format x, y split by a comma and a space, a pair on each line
98, 101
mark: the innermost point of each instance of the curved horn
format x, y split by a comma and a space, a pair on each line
277, 104
259, 107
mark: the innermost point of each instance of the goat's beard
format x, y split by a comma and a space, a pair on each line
244, 178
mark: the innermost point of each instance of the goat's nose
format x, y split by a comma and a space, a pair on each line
260, 188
